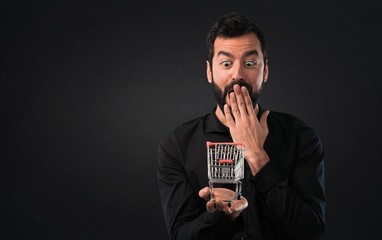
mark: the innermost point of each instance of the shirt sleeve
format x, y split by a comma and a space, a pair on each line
295, 201
184, 212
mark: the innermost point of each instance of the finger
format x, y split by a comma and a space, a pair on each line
240, 99
248, 101
257, 109
227, 210
228, 116
205, 193
240, 205
211, 206
263, 120
234, 107
227, 111
219, 205
237, 207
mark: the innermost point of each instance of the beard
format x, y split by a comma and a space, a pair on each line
220, 95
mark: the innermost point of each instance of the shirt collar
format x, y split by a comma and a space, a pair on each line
212, 123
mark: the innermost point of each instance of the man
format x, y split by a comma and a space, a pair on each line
283, 187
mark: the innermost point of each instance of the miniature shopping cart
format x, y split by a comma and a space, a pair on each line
225, 162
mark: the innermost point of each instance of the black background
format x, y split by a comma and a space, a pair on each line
89, 88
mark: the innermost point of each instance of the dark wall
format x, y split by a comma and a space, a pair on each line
88, 89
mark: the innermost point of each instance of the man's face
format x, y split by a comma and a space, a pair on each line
240, 61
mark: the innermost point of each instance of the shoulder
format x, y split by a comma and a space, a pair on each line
290, 125
185, 129
190, 124
291, 129
286, 119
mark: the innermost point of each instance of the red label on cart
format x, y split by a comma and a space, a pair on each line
222, 161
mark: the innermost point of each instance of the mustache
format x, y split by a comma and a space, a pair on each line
229, 88
221, 94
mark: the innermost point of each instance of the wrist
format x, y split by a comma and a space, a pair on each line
258, 161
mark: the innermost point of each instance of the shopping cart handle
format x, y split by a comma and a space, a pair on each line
210, 144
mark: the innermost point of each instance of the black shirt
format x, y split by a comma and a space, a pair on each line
285, 198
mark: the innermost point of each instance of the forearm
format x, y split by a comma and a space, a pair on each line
207, 226
184, 211
295, 217
295, 204
186, 216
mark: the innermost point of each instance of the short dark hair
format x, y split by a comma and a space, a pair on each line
230, 26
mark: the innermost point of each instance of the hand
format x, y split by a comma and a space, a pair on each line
217, 204
245, 127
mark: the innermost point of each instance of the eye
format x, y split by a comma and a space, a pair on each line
250, 63
225, 63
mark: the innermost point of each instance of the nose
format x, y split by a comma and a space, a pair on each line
237, 72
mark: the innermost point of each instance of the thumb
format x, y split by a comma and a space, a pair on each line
205, 193
263, 120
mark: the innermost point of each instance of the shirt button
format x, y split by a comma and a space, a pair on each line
260, 181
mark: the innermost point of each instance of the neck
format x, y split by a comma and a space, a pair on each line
220, 115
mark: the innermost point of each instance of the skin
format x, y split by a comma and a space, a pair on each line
239, 58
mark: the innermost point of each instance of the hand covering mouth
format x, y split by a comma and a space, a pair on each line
229, 88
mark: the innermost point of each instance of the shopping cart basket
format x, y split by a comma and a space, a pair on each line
225, 162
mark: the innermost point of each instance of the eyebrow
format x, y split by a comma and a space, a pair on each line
224, 53
251, 52
246, 54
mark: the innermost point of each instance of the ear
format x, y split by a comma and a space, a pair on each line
209, 72
266, 72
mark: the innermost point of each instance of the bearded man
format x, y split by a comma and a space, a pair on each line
283, 186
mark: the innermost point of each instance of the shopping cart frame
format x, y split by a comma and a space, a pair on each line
225, 163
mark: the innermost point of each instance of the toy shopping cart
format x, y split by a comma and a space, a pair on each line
225, 162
